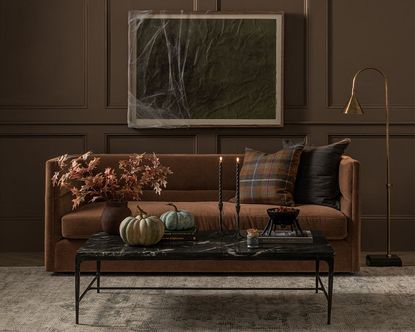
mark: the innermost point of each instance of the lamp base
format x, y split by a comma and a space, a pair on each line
383, 260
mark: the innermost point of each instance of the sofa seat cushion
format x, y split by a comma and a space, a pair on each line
85, 221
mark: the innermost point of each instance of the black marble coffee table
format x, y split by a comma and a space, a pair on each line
101, 247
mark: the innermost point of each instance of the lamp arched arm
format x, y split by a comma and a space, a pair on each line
385, 79
388, 175
366, 69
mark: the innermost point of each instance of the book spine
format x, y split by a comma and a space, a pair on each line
281, 241
179, 237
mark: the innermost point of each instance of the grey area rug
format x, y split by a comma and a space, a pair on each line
376, 299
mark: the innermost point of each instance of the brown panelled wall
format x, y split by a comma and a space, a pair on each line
63, 89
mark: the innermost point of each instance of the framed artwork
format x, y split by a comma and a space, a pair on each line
205, 69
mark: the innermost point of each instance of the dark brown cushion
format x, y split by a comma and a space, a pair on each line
269, 178
318, 174
85, 221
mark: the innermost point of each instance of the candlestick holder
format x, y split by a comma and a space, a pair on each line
220, 207
238, 233
237, 203
220, 198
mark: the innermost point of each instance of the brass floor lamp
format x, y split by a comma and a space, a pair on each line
353, 107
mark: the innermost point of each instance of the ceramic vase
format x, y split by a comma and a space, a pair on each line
114, 212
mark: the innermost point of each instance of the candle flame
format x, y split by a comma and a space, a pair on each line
220, 159
237, 160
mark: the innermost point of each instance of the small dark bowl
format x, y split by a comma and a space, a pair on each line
283, 218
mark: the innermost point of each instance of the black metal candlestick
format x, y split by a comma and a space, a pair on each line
220, 199
237, 206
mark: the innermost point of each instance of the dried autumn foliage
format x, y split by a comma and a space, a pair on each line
81, 176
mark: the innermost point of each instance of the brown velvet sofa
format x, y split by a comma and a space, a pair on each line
194, 187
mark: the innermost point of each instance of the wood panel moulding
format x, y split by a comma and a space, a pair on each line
373, 171
21, 235
368, 45
374, 232
40, 66
160, 144
266, 143
23, 169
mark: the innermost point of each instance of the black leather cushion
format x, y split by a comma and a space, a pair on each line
318, 174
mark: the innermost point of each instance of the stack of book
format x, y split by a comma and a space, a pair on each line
286, 237
186, 235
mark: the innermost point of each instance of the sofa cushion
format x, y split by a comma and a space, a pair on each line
269, 178
85, 221
187, 166
318, 174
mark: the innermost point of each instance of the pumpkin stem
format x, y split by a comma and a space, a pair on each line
175, 207
141, 212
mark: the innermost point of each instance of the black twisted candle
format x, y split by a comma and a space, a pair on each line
237, 206
220, 201
237, 182
220, 180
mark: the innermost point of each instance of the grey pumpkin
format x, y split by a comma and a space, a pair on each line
177, 220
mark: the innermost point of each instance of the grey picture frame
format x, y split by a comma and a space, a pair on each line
143, 114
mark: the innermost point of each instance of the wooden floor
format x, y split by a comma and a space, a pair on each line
36, 258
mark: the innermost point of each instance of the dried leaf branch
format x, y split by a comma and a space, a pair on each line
87, 184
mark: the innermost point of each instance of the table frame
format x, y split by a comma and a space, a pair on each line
319, 285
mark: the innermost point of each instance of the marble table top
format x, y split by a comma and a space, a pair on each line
208, 246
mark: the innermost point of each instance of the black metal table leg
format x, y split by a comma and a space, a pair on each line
77, 286
317, 273
98, 274
319, 285
330, 290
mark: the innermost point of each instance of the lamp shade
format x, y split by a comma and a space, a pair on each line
353, 106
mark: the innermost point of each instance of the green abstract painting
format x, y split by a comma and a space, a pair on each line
205, 69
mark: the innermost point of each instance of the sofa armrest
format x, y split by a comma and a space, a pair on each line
57, 204
349, 204
349, 185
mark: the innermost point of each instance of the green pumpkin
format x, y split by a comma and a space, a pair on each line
177, 220
142, 230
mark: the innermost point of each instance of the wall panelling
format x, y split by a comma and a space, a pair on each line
44, 51
63, 89
119, 143
23, 179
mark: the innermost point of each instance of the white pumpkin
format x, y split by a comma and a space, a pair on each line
141, 230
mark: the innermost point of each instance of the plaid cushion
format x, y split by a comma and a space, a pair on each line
269, 178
